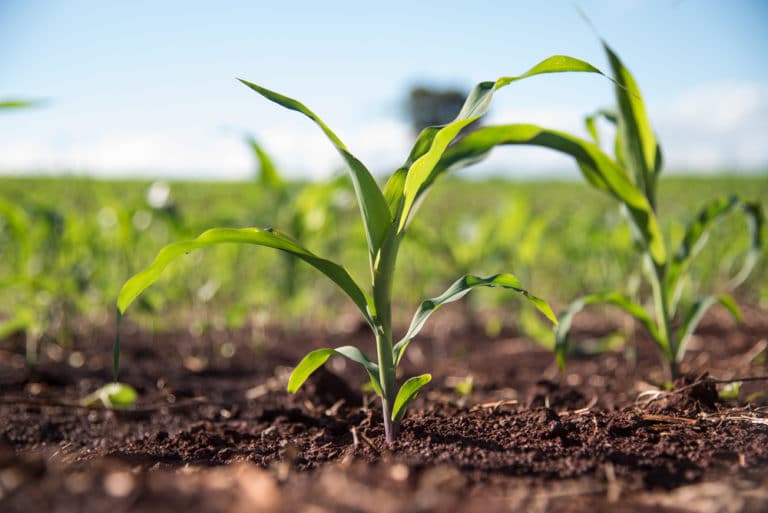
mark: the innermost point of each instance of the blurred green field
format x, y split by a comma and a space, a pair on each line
68, 244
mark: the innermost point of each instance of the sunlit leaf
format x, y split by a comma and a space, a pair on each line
314, 360
597, 167
420, 172
408, 393
113, 395
459, 289
641, 151
373, 206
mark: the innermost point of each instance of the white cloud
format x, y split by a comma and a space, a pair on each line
709, 128
715, 126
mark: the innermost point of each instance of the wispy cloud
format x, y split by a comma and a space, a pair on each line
713, 127
716, 126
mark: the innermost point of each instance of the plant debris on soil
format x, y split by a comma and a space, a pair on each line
214, 429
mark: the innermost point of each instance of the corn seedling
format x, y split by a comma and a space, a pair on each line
631, 177
385, 215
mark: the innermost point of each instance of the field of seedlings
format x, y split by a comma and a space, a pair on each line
424, 341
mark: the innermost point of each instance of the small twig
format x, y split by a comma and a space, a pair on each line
664, 393
369, 443
669, 419
586, 408
493, 404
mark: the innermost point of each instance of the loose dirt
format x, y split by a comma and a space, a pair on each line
214, 430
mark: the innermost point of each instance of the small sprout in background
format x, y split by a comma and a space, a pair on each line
730, 391
461, 386
113, 395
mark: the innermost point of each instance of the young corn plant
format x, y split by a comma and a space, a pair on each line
631, 177
385, 214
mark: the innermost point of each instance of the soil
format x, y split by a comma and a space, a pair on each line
213, 429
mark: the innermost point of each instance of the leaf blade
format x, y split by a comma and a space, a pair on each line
641, 150
456, 291
436, 139
598, 168
562, 331
694, 316
315, 359
373, 206
256, 236
696, 236
407, 393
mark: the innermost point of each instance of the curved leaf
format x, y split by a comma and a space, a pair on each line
641, 151
269, 238
373, 206
459, 289
407, 393
566, 318
693, 318
597, 167
696, 236
420, 172
314, 360
113, 395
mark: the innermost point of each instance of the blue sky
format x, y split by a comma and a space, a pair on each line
148, 88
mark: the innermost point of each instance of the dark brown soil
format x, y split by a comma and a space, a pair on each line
214, 430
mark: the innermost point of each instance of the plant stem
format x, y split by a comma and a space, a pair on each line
661, 304
383, 269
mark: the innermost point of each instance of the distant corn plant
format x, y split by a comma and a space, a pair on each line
385, 214
631, 177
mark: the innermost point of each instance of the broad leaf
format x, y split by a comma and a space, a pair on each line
314, 360
459, 289
268, 175
373, 206
407, 393
597, 167
695, 314
420, 172
566, 318
269, 238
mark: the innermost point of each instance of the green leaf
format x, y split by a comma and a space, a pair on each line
597, 167
268, 238
268, 174
730, 391
421, 171
314, 360
407, 393
696, 236
456, 291
612, 298
393, 191
590, 123
695, 314
13, 104
641, 151
373, 206
113, 395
